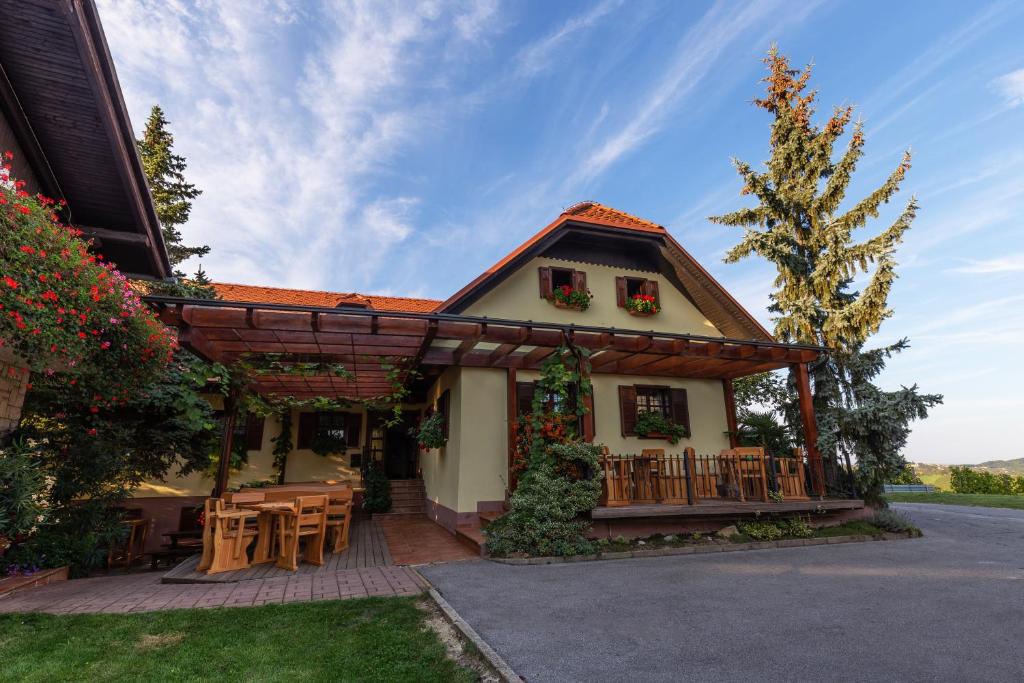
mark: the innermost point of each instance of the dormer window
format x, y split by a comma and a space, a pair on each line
564, 287
627, 288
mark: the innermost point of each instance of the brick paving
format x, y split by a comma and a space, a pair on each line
145, 593
418, 540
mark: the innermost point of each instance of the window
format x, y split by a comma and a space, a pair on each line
247, 434
444, 407
342, 426
524, 406
555, 278
628, 287
635, 399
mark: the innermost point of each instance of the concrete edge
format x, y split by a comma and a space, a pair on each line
702, 549
506, 672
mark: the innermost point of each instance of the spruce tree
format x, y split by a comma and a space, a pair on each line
801, 226
172, 194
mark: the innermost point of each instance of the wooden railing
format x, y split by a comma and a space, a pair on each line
742, 474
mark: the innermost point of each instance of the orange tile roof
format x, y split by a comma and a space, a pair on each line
302, 297
605, 215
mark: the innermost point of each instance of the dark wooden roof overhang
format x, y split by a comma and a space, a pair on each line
59, 93
369, 343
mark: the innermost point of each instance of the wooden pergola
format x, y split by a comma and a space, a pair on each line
372, 344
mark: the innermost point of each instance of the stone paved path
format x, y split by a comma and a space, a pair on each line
417, 540
144, 592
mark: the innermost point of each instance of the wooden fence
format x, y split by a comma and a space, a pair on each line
743, 474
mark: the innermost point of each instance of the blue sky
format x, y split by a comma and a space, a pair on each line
402, 148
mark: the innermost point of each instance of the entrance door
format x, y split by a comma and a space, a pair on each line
400, 449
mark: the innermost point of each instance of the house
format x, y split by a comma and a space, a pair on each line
473, 358
64, 119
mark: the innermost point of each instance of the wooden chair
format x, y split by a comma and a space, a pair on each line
226, 538
134, 545
308, 520
339, 518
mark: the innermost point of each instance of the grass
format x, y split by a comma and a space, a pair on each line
372, 639
940, 480
855, 528
976, 499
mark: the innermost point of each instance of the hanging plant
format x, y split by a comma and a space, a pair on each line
570, 297
328, 443
642, 304
430, 433
655, 425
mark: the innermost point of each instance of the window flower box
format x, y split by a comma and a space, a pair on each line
568, 297
642, 305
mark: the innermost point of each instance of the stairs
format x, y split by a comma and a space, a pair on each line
408, 497
471, 535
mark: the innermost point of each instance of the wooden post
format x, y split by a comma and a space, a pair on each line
803, 386
227, 436
511, 410
691, 471
730, 412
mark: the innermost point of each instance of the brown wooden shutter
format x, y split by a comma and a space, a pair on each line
444, 407
579, 280
253, 433
680, 408
307, 429
353, 426
589, 428
627, 409
545, 281
620, 292
524, 398
650, 288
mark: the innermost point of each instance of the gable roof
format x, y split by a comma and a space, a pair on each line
303, 297
710, 298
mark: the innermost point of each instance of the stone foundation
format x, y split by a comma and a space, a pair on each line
13, 384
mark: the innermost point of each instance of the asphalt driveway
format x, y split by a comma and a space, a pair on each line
949, 606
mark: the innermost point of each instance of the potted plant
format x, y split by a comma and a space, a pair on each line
567, 296
328, 443
653, 425
430, 433
642, 305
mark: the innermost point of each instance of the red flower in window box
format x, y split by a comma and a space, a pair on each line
642, 305
568, 297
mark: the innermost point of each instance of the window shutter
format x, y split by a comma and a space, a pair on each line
620, 292
589, 428
353, 425
307, 429
545, 281
253, 433
680, 408
579, 280
524, 398
627, 409
650, 288
444, 407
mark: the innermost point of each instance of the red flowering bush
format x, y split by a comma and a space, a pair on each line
571, 297
65, 310
643, 303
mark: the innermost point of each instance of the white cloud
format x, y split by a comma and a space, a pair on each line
539, 55
1011, 87
1012, 263
288, 114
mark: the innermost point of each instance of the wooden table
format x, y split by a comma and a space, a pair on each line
265, 527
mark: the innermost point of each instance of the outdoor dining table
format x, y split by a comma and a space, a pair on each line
265, 526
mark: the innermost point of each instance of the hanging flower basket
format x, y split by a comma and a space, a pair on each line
430, 433
651, 425
570, 298
642, 305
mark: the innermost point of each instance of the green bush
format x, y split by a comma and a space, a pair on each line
967, 480
795, 527
896, 522
377, 491
546, 508
21, 492
760, 531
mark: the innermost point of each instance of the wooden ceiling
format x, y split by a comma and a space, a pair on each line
370, 344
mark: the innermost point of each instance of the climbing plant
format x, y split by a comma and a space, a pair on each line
560, 478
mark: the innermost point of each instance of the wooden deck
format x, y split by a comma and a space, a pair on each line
367, 548
716, 508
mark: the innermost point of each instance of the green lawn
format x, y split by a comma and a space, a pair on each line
374, 639
978, 499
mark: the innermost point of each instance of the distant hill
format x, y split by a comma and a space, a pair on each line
1015, 466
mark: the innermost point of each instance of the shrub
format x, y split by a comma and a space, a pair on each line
376, 491
546, 508
968, 480
21, 493
896, 522
760, 531
795, 527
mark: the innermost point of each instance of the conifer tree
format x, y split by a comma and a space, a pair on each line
172, 194
800, 224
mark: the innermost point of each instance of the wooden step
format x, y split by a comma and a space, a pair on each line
472, 537
488, 517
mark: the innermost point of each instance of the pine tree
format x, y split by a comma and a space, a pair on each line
172, 195
799, 226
